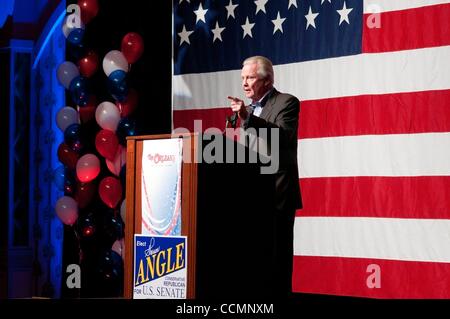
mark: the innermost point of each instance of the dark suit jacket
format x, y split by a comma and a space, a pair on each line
282, 111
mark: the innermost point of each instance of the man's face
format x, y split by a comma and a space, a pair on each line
254, 87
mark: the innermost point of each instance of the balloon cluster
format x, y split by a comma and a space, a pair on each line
92, 174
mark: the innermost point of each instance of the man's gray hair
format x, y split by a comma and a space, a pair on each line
265, 68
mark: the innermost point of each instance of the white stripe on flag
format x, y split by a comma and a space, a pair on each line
425, 154
393, 5
205, 90
382, 238
378, 73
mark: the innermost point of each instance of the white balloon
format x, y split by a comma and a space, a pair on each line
66, 117
67, 210
107, 115
67, 71
70, 25
123, 208
88, 168
114, 60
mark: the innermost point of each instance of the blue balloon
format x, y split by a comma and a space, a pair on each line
77, 51
76, 36
117, 85
126, 127
110, 270
113, 227
72, 134
69, 183
78, 90
64, 179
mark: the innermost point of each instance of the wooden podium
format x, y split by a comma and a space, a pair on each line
226, 214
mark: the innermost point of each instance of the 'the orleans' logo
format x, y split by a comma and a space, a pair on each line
161, 158
158, 263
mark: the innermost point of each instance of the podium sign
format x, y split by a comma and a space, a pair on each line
161, 186
160, 264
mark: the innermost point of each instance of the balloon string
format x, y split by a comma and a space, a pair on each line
80, 255
80, 251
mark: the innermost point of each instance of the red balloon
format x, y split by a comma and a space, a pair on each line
85, 193
132, 47
88, 64
127, 106
110, 191
106, 143
89, 9
67, 156
119, 160
87, 112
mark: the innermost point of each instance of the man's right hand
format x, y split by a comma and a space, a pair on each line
237, 105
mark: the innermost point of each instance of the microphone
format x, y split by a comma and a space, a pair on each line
232, 120
234, 117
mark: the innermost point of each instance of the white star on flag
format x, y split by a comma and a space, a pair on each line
184, 35
322, 1
217, 32
292, 3
277, 23
200, 13
260, 5
230, 9
189, 1
247, 27
343, 13
310, 17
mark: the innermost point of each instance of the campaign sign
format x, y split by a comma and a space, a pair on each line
160, 264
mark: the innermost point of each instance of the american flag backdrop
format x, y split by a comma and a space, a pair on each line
373, 78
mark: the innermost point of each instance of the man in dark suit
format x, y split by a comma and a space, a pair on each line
272, 109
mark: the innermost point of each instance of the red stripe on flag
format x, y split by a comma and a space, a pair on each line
408, 29
416, 112
396, 197
209, 117
398, 279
